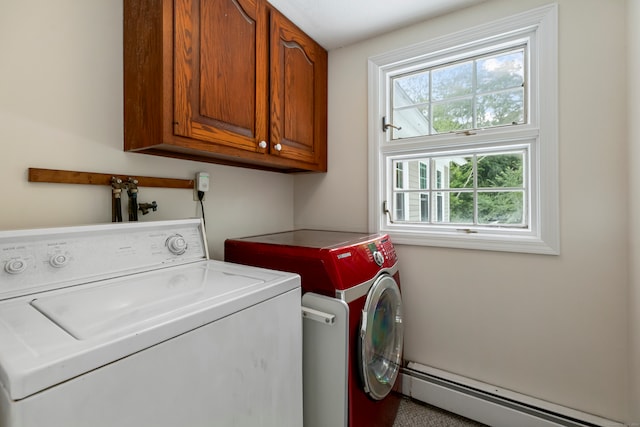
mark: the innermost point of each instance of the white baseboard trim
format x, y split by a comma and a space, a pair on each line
488, 404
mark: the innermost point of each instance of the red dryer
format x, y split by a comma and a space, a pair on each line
353, 317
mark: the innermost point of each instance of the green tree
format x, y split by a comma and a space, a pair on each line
494, 172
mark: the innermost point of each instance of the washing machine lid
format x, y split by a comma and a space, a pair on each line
381, 338
50, 337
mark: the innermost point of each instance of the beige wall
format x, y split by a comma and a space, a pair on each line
633, 18
552, 327
61, 108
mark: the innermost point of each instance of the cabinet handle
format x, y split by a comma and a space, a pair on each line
262, 144
278, 147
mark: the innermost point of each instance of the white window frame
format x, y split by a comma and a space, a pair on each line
539, 135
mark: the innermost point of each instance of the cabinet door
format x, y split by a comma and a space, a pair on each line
298, 95
220, 72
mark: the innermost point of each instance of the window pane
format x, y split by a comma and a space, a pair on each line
452, 116
458, 207
456, 172
498, 208
410, 207
500, 170
499, 109
416, 174
452, 81
411, 90
413, 210
413, 121
500, 72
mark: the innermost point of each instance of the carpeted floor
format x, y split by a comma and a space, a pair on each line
418, 414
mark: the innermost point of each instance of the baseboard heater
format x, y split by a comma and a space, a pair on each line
488, 404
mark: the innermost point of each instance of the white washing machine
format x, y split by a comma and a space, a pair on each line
131, 324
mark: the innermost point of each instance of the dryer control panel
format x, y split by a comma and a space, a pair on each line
360, 262
45, 259
383, 252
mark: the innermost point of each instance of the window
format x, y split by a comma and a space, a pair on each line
463, 138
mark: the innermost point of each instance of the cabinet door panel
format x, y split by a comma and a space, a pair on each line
227, 65
298, 106
220, 71
298, 94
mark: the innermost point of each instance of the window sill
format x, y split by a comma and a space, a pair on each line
477, 241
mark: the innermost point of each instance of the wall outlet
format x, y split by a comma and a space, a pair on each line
201, 183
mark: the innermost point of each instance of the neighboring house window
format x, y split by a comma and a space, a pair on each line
399, 204
399, 166
463, 138
424, 175
424, 197
424, 207
399, 207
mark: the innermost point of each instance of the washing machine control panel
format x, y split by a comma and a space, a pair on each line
45, 259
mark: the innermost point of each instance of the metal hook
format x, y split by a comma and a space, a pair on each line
386, 125
385, 210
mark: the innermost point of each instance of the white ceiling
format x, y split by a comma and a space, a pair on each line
337, 23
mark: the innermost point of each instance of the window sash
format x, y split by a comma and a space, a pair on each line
440, 192
401, 103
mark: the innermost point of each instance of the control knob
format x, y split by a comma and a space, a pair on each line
176, 244
15, 266
58, 260
378, 258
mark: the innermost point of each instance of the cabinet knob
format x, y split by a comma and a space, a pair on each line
278, 147
262, 144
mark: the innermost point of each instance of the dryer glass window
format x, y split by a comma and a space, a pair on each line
381, 338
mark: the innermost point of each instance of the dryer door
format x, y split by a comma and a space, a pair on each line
381, 337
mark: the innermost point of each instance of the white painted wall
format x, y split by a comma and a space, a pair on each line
552, 327
61, 108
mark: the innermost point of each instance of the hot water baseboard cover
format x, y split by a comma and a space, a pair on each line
489, 404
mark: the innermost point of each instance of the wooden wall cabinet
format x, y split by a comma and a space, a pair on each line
223, 81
